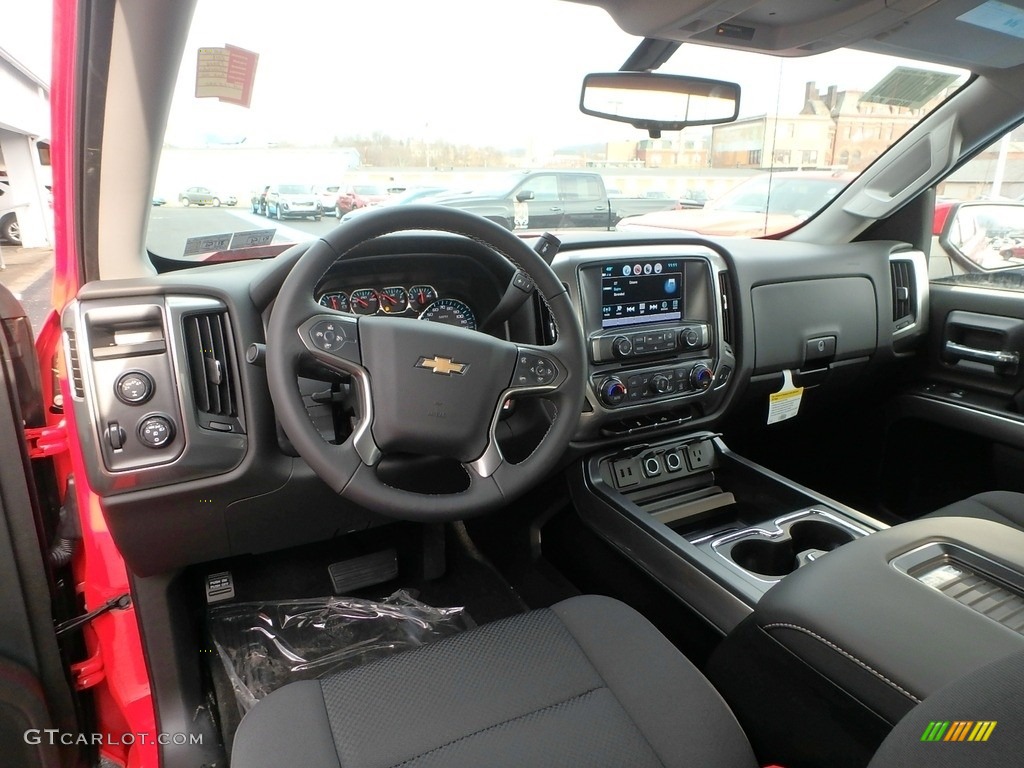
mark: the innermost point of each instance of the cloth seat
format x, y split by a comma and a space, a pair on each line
587, 682
1005, 507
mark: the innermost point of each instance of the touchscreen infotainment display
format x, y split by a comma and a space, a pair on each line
640, 292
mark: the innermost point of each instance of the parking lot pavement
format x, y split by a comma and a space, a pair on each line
24, 266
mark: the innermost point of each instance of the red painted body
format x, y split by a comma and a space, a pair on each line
115, 670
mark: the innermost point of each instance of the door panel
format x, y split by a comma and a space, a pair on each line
34, 690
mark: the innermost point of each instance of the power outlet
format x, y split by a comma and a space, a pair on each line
700, 455
627, 472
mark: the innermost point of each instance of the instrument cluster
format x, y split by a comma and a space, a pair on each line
421, 301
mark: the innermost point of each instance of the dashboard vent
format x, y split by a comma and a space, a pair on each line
75, 364
211, 362
725, 289
902, 289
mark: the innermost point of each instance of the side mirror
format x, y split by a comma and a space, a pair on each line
657, 103
986, 235
523, 196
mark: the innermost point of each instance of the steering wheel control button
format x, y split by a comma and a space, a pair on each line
534, 371
328, 336
523, 282
134, 387
156, 431
652, 466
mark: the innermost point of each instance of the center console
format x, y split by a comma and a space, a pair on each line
833, 623
714, 528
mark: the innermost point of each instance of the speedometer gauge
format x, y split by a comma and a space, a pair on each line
450, 312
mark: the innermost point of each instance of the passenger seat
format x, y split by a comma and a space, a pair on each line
1005, 507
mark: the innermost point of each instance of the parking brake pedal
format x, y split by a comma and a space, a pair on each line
365, 571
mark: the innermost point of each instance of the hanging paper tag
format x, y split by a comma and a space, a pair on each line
785, 404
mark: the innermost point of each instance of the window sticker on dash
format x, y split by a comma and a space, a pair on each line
785, 404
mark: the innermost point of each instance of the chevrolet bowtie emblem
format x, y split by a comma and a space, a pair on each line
442, 365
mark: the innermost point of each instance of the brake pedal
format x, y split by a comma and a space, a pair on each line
365, 571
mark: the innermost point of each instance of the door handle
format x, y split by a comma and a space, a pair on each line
1006, 361
555, 209
600, 208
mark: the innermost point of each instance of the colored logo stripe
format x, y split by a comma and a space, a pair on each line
958, 730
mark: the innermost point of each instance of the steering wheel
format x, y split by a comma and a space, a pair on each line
424, 388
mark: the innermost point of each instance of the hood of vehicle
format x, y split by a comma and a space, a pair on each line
704, 221
303, 198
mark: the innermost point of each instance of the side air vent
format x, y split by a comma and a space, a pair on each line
75, 364
213, 370
902, 290
725, 289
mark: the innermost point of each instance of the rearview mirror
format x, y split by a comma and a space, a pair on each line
657, 103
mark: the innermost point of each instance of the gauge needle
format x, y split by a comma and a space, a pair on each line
361, 302
335, 304
389, 299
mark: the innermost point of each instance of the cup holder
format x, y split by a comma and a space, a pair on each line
776, 554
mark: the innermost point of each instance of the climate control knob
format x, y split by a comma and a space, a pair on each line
662, 384
622, 346
613, 391
701, 377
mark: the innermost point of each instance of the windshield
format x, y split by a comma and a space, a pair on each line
803, 194
455, 103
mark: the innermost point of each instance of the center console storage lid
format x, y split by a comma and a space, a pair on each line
875, 617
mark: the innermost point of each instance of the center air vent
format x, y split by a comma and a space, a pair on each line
213, 370
902, 291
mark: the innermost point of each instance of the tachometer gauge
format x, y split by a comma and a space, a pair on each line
450, 312
337, 300
393, 301
364, 301
421, 297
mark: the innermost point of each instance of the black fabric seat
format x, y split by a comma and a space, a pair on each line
588, 682
1005, 507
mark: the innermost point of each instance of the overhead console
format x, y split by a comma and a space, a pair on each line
653, 319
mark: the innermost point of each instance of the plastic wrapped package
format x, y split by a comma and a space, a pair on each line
268, 644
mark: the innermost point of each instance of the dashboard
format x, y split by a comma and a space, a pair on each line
182, 441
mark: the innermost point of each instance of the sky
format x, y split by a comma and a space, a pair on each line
25, 32
477, 72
